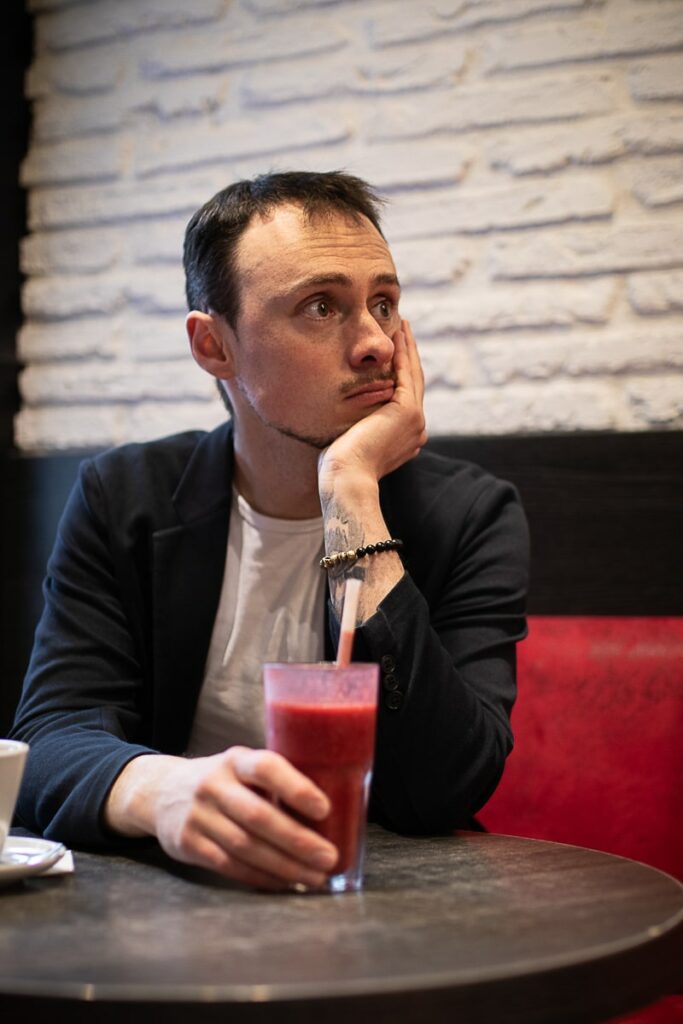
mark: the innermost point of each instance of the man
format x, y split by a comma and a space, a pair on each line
181, 565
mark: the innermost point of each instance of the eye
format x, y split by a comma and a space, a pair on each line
319, 309
383, 309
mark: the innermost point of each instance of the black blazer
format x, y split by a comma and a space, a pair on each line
131, 594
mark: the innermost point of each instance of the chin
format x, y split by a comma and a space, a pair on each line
313, 440
319, 438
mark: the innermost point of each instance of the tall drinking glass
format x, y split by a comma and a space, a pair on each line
321, 717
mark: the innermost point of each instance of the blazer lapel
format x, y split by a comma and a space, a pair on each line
188, 567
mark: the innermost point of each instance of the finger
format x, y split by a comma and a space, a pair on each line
242, 845
259, 833
271, 772
402, 369
208, 854
414, 354
414, 359
274, 773
417, 377
409, 380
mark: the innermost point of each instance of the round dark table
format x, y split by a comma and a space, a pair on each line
469, 928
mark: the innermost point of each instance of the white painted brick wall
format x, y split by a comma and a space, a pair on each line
532, 151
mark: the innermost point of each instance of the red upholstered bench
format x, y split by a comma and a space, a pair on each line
598, 757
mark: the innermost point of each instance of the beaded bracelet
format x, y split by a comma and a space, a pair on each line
344, 558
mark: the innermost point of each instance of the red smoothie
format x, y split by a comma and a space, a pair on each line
333, 745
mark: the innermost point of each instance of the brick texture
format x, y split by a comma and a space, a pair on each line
434, 20
620, 29
93, 23
531, 152
660, 79
603, 140
656, 292
517, 205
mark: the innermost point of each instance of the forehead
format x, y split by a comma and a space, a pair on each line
287, 245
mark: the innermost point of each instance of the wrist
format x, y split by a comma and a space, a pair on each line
355, 487
129, 808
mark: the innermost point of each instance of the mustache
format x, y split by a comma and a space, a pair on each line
372, 378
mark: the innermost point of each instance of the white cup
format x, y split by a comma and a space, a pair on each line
12, 761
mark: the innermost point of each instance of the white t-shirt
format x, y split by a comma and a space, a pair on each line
271, 608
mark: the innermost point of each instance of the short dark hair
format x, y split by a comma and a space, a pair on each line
213, 232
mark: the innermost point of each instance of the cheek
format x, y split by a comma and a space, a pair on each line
278, 364
279, 377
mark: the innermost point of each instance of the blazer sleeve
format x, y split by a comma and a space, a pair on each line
447, 668
83, 700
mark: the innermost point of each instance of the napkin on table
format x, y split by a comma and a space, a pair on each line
64, 866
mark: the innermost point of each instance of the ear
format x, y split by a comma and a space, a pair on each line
211, 342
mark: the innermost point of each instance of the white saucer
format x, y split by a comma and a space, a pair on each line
22, 857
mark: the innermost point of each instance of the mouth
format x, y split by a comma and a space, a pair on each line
375, 391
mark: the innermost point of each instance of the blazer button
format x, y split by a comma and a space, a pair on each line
393, 700
387, 662
390, 682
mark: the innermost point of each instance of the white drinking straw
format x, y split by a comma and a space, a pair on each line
348, 622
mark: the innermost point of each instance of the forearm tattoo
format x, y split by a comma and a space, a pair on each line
342, 532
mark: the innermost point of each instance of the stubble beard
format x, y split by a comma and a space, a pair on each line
317, 443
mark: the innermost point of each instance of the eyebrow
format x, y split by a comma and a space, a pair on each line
342, 279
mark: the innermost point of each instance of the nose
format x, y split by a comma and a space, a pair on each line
370, 345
